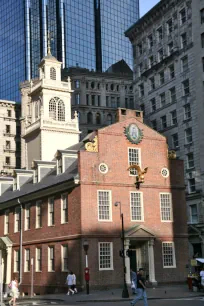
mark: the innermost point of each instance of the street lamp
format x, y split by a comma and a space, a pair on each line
87, 277
125, 293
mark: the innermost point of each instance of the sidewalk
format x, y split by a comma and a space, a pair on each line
115, 295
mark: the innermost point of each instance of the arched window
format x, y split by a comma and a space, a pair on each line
89, 118
57, 109
52, 109
61, 111
52, 73
98, 118
109, 119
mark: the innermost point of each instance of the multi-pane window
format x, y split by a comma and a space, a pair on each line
168, 253
172, 94
187, 112
136, 206
169, 26
159, 34
170, 48
193, 213
52, 73
38, 214
16, 261
175, 141
133, 159
7, 160
57, 109
183, 16
153, 104
141, 90
173, 117
190, 160
27, 217
150, 41
191, 185
163, 122
64, 208
184, 63
104, 205
64, 259
202, 40
166, 207
202, 16
151, 61
77, 84
161, 77
8, 112
139, 48
17, 219
8, 129
51, 216
154, 124
6, 222
183, 40
162, 99
160, 55
152, 83
77, 99
186, 88
171, 71
27, 260
188, 136
38, 262
105, 250
51, 259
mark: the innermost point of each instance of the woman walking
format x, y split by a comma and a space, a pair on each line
14, 291
70, 283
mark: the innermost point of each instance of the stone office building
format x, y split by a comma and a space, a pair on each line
9, 136
168, 49
97, 95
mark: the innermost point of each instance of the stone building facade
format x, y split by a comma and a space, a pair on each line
78, 197
9, 136
96, 95
168, 49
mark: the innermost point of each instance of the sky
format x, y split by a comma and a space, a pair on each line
146, 5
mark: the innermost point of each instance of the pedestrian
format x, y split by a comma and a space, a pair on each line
133, 277
74, 282
141, 292
14, 291
202, 276
69, 282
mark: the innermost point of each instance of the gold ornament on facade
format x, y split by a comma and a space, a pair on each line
92, 146
171, 154
140, 174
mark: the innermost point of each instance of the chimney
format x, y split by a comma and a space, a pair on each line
124, 113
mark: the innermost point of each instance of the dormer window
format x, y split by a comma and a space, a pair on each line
57, 109
52, 73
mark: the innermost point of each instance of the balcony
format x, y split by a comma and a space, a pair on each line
9, 134
8, 166
9, 149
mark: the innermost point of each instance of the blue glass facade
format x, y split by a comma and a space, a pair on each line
89, 33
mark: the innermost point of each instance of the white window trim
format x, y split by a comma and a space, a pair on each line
15, 221
36, 261
191, 221
142, 207
27, 206
174, 255
48, 212
25, 270
37, 205
15, 266
66, 195
111, 256
48, 266
166, 221
110, 205
189, 189
139, 154
62, 258
6, 215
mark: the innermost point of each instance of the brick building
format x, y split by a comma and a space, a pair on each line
71, 199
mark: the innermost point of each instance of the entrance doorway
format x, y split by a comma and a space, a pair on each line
139, 258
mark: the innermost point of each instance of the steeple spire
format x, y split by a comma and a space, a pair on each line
49, 43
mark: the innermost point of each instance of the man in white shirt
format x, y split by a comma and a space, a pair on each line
202, 276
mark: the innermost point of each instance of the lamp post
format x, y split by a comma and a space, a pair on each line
1, 281
86, 247
125, 293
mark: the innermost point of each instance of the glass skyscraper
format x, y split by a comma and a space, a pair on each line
87, 33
